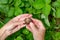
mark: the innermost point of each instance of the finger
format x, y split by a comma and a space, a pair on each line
18, 23
17, 28
20, 17
28, 27
38, 23
24, 17
32, 26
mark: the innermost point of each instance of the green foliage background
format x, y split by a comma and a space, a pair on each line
48, 11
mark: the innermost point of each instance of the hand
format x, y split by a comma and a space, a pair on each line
13, 25
37, 28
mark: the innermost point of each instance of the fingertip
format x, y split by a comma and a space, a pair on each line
28, 27
32, 25
36, 21
25, 15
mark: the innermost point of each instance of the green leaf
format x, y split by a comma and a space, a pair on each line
46, 10
31, 1
38, 11
1, 24
30, 36
30, 10
10, 1
57, 36
25, 31
22, 4
4, 8
47, 1
58, 0
27, 5
56, 4
38, 4
45, 19
10, 12
6, 20
3, 1
17, 2
19, 38
48, 35
58, 13
54, 11
18, 11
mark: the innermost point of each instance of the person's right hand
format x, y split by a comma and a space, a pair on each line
13, 25
37, 28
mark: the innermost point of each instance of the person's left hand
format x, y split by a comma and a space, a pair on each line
37, 28
13, 25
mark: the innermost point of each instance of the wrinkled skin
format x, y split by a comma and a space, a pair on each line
37, 28
15, 24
